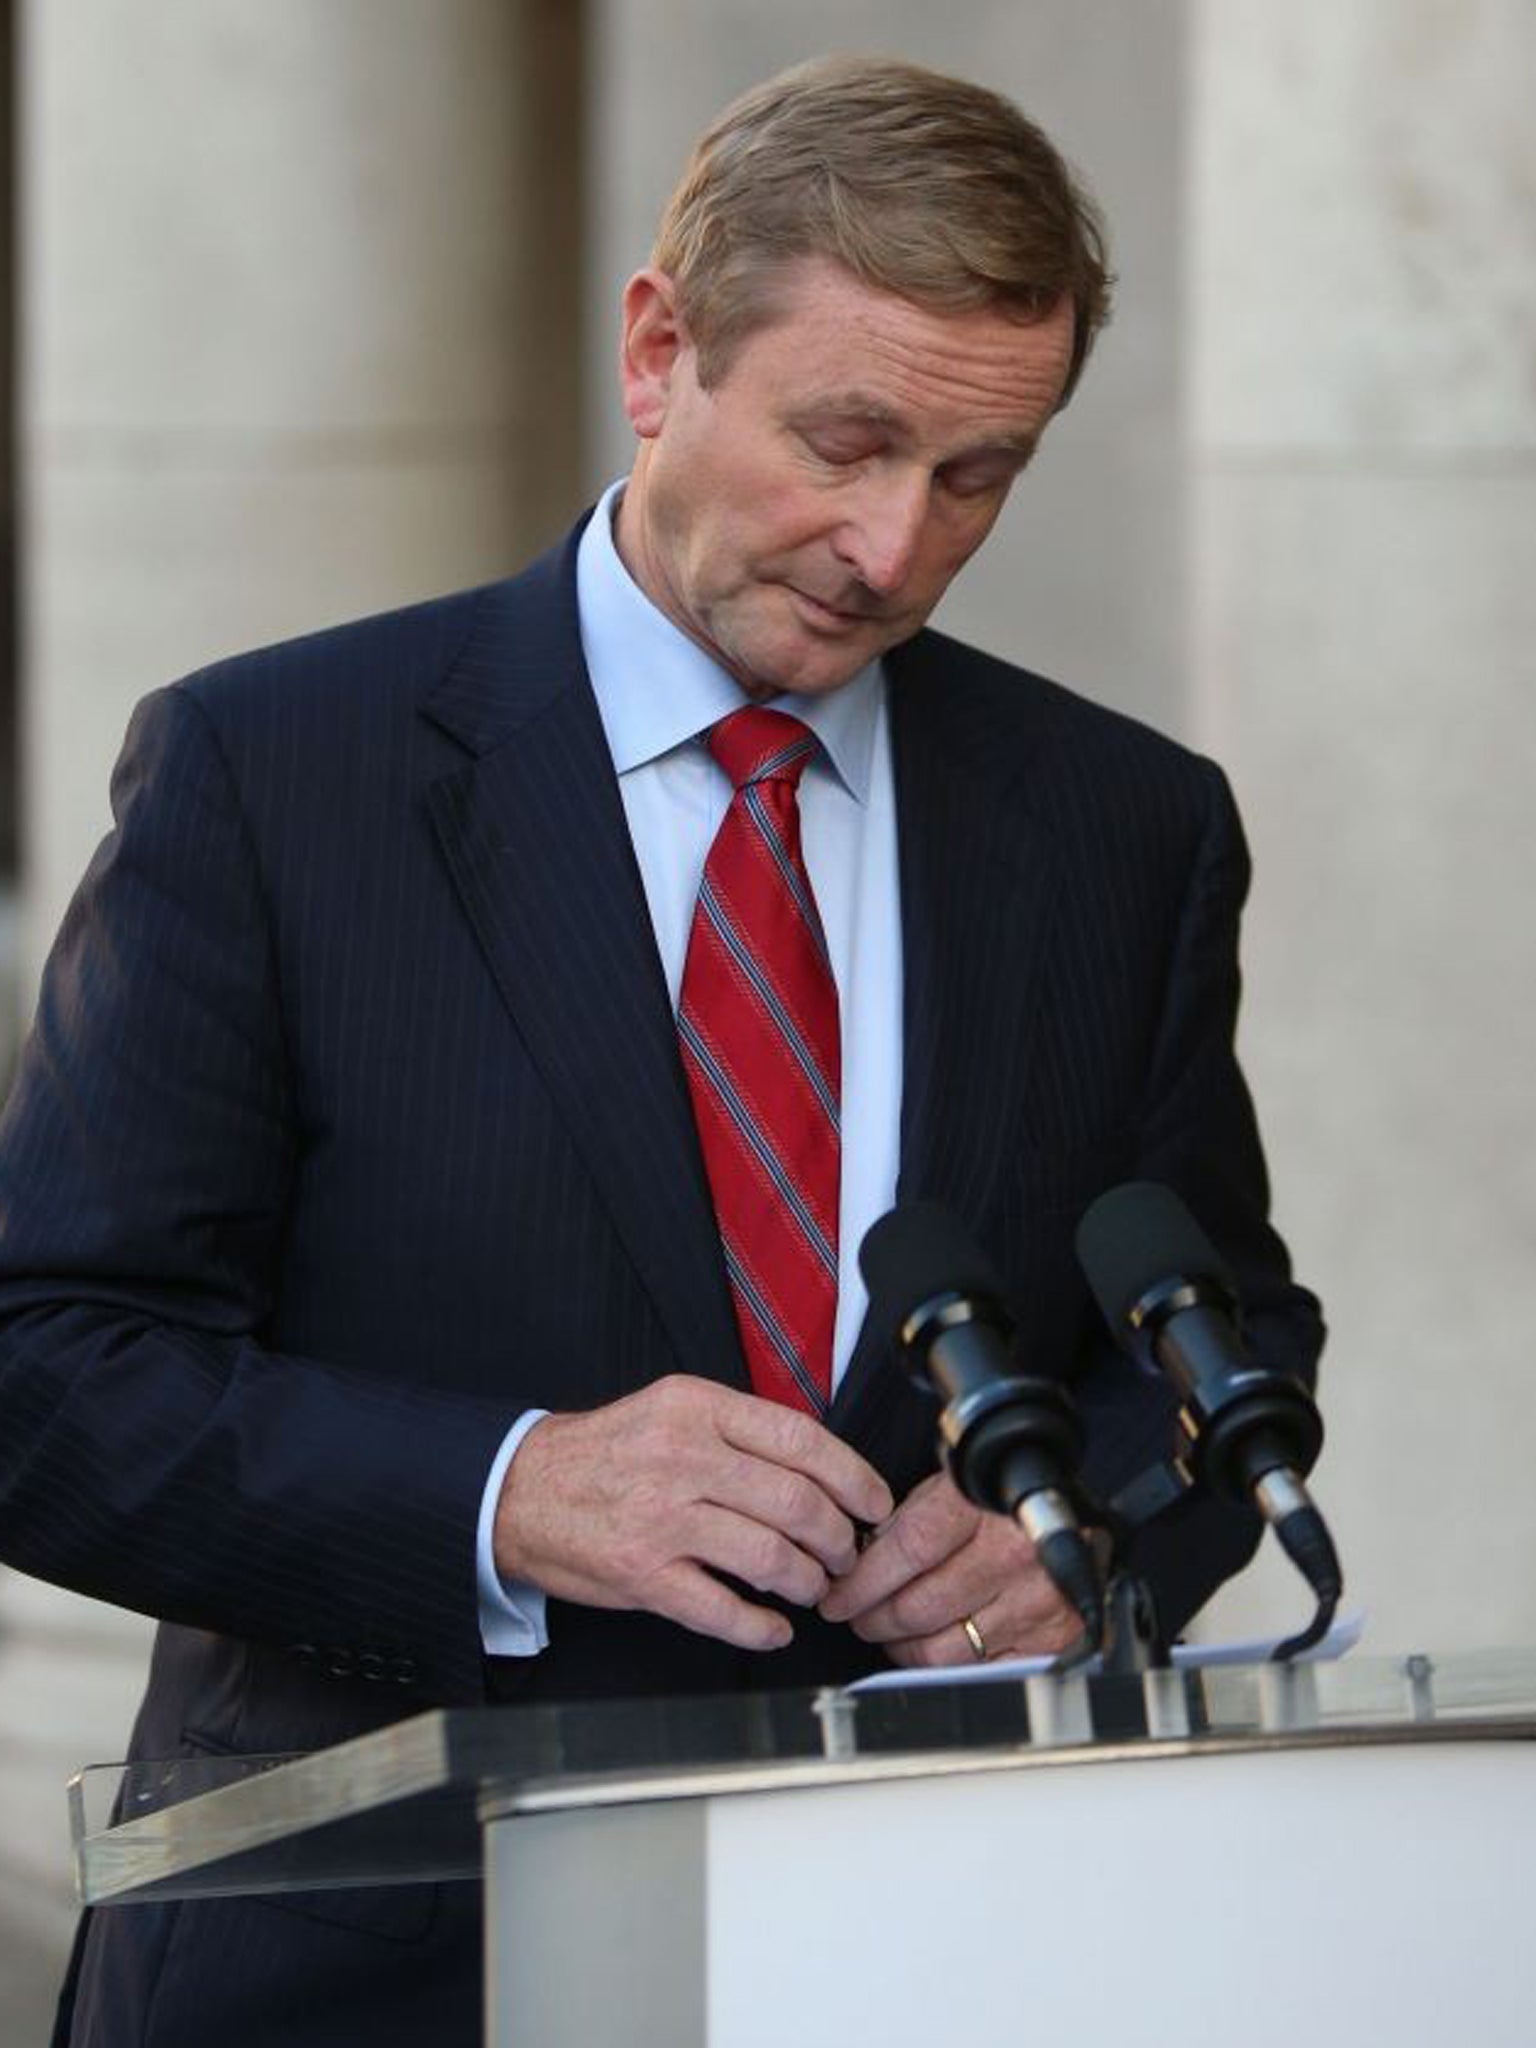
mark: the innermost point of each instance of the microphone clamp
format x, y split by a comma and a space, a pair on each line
1148, 1314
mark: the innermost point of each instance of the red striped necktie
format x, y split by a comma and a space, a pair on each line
759, 1029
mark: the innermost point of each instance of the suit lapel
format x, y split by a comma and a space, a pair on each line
535, 837
979, 878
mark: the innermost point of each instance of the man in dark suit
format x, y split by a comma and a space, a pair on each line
376, 1306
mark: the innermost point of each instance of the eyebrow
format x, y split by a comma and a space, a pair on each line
850, 405
859, 406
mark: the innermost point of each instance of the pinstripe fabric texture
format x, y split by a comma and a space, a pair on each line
761, 1048
354, 1121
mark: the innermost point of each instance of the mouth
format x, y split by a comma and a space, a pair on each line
829, 617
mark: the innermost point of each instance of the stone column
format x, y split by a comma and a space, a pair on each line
296, 341
299, 342
1364, 309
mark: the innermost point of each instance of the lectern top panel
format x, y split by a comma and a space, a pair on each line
407, 1803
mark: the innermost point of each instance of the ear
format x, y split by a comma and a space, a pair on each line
655, 337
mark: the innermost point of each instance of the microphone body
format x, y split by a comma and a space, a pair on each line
1010, 1441
1169, 1299
1248, 1418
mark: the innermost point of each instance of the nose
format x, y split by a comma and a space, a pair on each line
879, 543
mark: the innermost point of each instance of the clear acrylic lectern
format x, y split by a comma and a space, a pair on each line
1330, 1852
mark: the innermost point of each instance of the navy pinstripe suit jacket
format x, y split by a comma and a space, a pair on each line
353, 1122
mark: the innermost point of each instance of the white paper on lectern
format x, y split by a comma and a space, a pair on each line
1343, 1636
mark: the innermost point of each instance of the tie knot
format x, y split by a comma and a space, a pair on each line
753, 745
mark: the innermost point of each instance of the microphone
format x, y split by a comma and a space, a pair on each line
1169, 1299
1010, 1441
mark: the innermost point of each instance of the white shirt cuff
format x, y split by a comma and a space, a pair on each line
512, 1613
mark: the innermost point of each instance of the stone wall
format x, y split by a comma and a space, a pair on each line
1363, 372
298, 300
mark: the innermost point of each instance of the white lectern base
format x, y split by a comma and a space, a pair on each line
1349, 1894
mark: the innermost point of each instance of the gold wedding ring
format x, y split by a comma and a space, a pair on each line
974, 1636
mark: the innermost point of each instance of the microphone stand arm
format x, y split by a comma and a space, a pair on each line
1133, 1638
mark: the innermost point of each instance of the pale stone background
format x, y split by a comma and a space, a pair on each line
1362, 461
281, 362
298, 303
300, 338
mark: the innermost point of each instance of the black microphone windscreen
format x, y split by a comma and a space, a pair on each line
914, 1253
1136, 1237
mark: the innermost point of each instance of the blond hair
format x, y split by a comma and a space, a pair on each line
929, 187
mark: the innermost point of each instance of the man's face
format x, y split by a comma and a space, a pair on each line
810, 510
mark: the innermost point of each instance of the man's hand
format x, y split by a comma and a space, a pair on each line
642, 1502
938, 1561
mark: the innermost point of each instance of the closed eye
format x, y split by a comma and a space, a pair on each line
974, 476
839, 445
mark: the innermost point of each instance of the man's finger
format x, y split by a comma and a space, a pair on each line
951, 1646
687, 1594
1040, 1631
926, 1530
998, 1564
782, 1499
999, 1584
786, 1436
755, 1553
934, 1600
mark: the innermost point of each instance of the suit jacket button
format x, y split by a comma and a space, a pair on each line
403, 1670
303, 1653
372, 1666
339, 1663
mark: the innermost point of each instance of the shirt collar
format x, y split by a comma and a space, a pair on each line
656, 689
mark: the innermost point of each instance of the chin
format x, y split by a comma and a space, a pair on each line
814, 671
796, 663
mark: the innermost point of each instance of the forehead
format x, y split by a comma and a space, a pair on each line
841, 345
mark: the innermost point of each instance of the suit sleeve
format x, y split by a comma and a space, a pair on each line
1198, 1135
154, 1452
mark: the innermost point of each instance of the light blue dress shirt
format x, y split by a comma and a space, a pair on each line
657, 693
